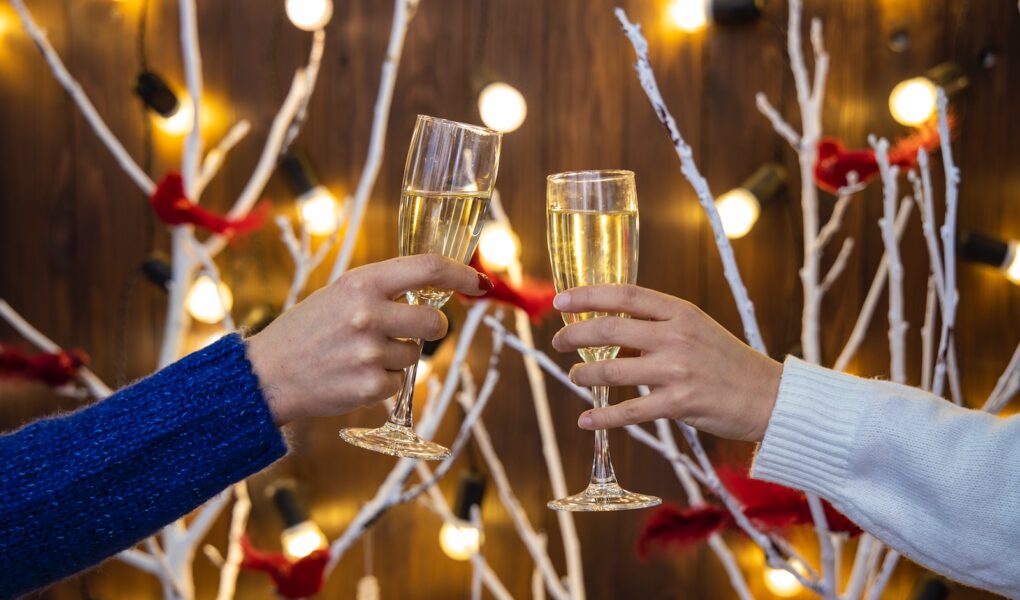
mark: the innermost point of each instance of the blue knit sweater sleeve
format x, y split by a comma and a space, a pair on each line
79, 488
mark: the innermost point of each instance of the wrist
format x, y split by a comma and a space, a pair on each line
267, 371
765, 399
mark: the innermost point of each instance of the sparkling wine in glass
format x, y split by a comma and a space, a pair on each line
448, 180
592, 230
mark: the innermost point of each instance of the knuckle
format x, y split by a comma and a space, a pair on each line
631, 413
362, 319
432, 265
629, 293
374, 384
370, 353
355, 282
610, 326
612, 374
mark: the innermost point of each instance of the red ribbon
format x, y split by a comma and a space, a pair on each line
173, 207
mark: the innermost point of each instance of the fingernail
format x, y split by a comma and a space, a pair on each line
585, 421
484, 282
561, 300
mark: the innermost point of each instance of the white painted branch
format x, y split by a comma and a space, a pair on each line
828, 552
835, 221
142, 561
859, 572
782, 127
238, 523
546, 429
897, 326
838, 266
1007, 385
928, 334
892, 557
205, 519
871, 300
477, 559
267, 160
532, 540
182, 275
689, 169
81, 99
312, 72
215, 157
95, 386
948, 231
537, 583
403, 12
193, 78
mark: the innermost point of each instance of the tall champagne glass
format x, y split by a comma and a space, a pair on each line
448, 180
593, 239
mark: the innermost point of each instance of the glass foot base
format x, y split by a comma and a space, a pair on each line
599, 497
396, 441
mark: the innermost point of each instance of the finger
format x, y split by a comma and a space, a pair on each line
640, 302
628, 412
399, 275
399, 354
607, 331
617, 372
414, 322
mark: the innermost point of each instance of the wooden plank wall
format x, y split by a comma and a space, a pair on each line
73, 229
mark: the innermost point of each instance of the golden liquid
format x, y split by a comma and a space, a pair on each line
446, 224
590, 248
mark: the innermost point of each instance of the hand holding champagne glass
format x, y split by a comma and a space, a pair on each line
593, 239
448, 180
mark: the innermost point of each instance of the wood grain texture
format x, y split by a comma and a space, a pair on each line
73, 229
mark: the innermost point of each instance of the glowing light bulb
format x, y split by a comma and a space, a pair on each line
178, 122
207, 304
1012, 268
424, 369
502, 107
498, 246
309, 15
738, 210
688, 15
319, 211
302, 539
459, 540
912, 102
781, 582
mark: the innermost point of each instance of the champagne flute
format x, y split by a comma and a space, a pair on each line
448, 180
593, 239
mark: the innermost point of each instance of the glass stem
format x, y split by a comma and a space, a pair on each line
602, 469
402, 414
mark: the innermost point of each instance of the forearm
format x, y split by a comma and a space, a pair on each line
934, 481
81, 487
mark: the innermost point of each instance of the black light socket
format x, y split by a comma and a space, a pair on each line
949, 76
258, 318
975, 247
766, 183
157, 270
284, 494
298, 172
156, 94
470, 492
735, 12
930, 587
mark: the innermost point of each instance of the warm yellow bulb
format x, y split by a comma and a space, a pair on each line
782, 583
498, 246
309, 15
319, 211
738, 211
912, 102
205, 303
1013, 264
178, 122
688, 15
302, 539
459, 541
502, 107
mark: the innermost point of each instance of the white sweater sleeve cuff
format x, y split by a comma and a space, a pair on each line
810, 435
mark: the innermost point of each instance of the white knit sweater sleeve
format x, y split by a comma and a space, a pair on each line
936, 482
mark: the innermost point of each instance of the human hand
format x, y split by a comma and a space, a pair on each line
697, 371
346, 345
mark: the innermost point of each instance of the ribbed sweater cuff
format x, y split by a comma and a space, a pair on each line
810, 435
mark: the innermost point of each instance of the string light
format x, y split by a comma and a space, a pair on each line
206, 303
783, 583
694, 15
502, 107
498, 246
912, 101
309, 15
459, 539
740, 207
176, 115
318, 209
688, 15
1004, 256
301, 536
